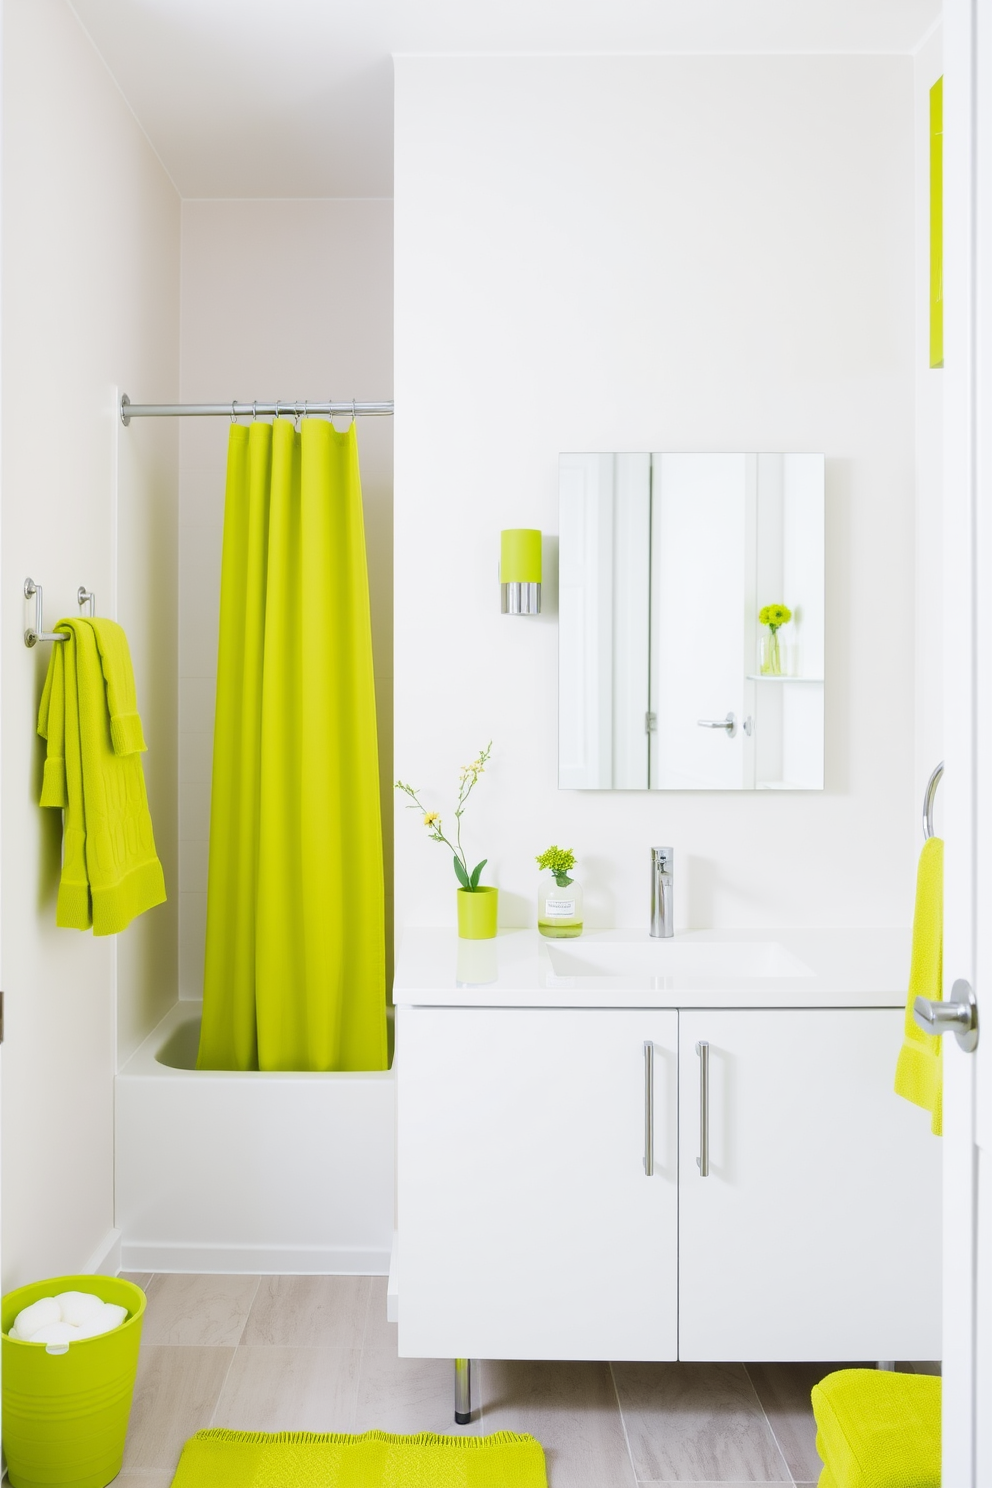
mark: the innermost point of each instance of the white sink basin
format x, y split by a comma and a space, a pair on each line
652, 959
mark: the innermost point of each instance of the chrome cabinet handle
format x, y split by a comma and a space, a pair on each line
703, 1160
729, 723
648, 1108
958, 1016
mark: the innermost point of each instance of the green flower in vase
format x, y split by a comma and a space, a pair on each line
774, 616
559, 861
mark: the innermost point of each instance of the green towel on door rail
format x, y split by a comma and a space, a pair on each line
89, 716
920, 1070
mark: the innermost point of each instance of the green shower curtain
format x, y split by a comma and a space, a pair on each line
294, 974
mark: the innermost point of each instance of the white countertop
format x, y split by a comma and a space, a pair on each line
786, 968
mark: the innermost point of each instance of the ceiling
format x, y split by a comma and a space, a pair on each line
266, 98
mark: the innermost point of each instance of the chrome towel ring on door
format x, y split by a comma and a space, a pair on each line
928, 796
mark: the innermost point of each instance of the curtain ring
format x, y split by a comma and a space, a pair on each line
354, 411
278, 406
254, 411
234, 416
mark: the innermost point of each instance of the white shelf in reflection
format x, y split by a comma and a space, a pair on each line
771, 677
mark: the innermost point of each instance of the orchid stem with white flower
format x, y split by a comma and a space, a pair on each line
468, 780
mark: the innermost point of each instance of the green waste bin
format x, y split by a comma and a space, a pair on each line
65, 1414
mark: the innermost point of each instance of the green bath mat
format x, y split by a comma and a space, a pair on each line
305, 1459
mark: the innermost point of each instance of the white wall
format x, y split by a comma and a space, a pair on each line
280, 299
652, 253
928, 66
90, 299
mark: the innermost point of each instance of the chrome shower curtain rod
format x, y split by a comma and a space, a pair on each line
294, 408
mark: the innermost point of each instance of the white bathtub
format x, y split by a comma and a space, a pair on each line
269, 1173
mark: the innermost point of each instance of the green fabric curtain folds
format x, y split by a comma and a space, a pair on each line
294, 974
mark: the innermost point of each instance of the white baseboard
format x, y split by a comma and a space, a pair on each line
106, 1259
252, 1260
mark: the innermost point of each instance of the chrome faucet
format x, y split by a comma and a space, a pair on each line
662, 887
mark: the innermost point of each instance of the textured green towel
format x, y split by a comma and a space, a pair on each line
122, 699
875, 1429
88, 714
919, 1071
303, 1459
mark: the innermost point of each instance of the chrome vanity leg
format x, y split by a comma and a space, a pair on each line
463, 1392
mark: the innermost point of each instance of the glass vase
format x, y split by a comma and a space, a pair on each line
559, 906
771, 655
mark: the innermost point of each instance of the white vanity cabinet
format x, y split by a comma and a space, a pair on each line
528, 1226
819, 1218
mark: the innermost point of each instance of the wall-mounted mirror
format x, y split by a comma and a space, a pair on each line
690, 622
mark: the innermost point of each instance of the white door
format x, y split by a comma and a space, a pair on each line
528, 1225
967, 787
806, 1237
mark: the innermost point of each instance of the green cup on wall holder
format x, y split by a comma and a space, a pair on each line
477, 910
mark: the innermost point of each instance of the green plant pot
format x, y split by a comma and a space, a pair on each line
477, 913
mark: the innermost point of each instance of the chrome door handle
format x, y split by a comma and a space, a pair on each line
648, 1108
958, 1016
703, 1160
729, 723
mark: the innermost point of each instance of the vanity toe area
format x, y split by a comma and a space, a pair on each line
619, 1148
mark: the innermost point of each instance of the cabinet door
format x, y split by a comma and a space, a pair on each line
528, 1228
816, 1234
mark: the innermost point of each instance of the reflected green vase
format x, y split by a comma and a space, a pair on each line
771, 655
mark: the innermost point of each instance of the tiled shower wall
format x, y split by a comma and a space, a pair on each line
280, 299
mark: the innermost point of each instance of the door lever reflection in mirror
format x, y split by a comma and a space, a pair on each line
729, 723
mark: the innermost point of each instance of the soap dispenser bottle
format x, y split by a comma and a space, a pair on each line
559, 896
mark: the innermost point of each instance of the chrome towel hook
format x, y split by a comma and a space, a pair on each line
37, 632
928, 796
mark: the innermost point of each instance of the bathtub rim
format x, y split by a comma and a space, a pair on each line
143, 1065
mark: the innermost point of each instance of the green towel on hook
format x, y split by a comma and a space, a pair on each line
919, 1072
89, 716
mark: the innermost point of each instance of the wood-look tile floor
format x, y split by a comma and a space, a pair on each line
315, 1353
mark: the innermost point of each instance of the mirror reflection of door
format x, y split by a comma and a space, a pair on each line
698, 529
666, 561
603, 616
